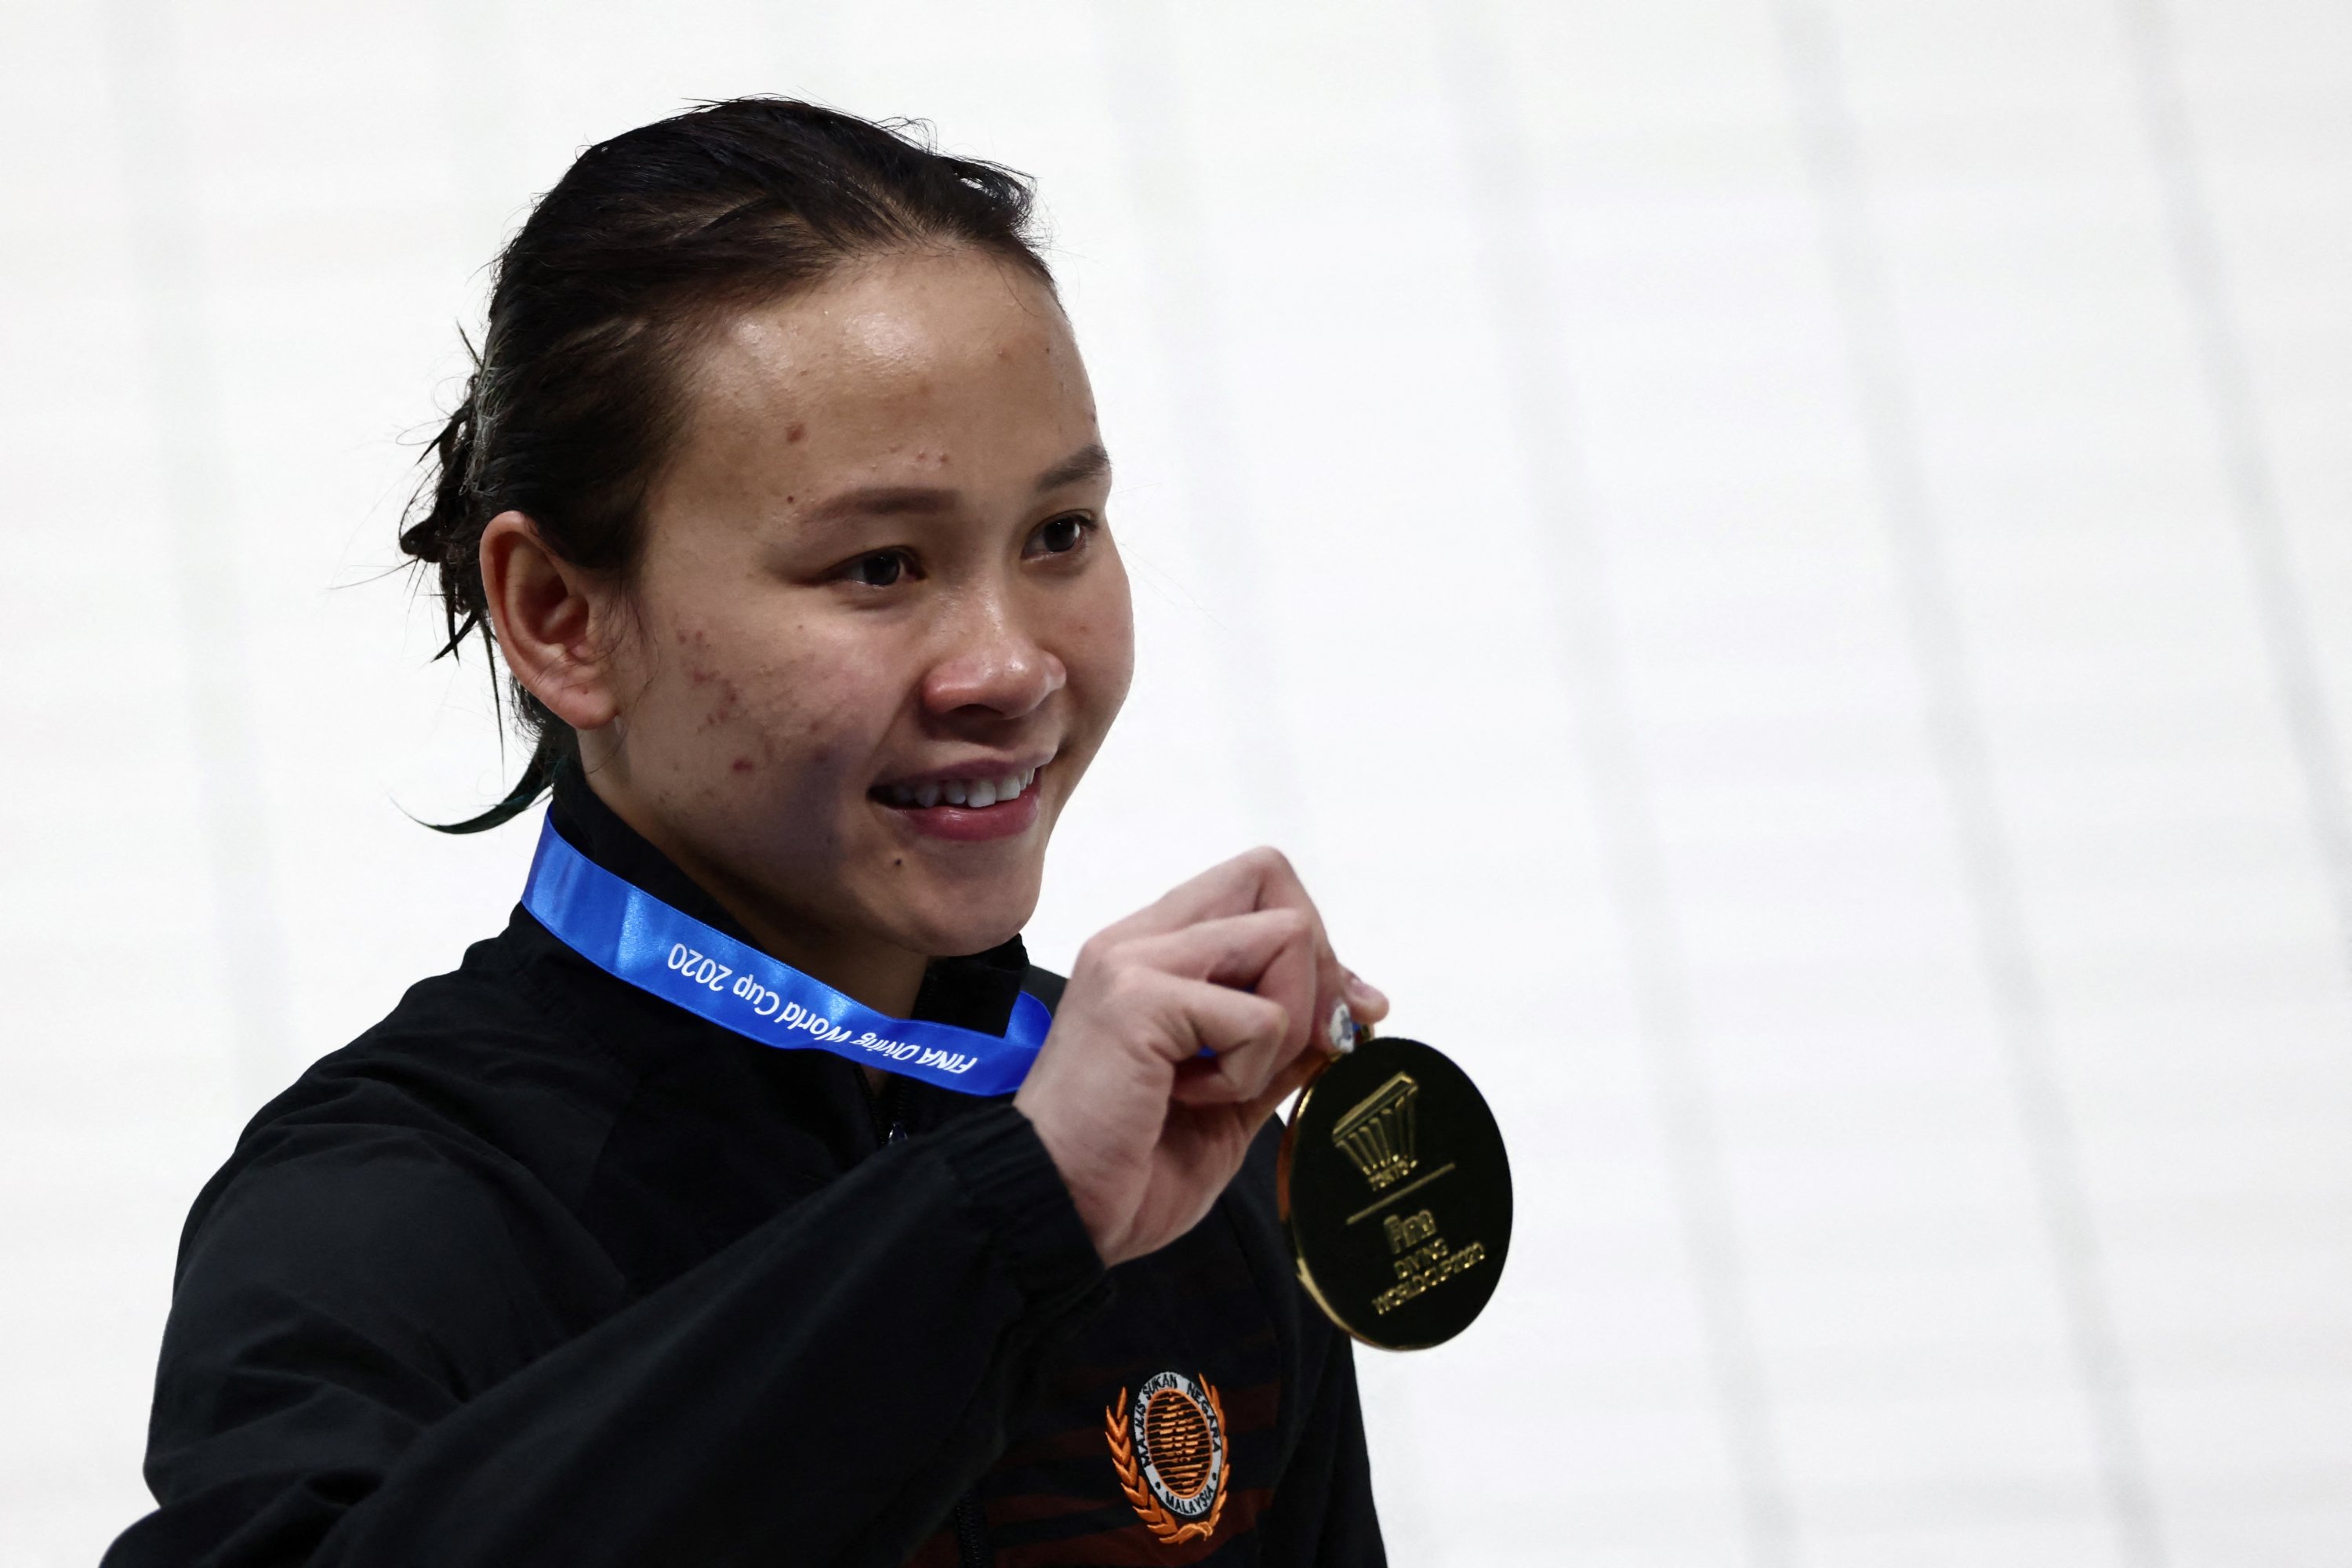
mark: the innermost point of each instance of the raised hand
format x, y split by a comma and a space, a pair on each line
1145, 1128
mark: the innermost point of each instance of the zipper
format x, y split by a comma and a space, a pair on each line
889, 1106
971, 1534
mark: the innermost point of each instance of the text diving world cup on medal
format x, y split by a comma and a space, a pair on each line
1395, 1192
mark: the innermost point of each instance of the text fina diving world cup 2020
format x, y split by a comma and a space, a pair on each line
1396, 1194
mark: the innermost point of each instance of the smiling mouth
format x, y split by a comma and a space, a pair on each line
971, 794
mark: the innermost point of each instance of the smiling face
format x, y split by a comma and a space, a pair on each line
876, 581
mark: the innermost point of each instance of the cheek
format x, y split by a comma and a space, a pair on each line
811, 724
1101, 648
698, 715
696, 688
768, 707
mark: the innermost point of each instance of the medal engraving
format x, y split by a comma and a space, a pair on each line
1396, 1195
1378, 1134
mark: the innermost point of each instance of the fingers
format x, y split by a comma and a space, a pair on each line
1269, 952
1246, 925
1254, 880
1222, 998
1260, 880
1248, 1038
1231, 949
1285, 1083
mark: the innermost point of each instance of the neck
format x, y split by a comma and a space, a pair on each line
881, 974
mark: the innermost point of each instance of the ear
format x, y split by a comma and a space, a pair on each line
550, 617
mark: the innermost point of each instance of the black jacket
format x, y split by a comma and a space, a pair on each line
543, 1270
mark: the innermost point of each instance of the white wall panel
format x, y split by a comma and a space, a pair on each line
1784, 566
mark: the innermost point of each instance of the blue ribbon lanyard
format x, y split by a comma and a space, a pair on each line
632, 936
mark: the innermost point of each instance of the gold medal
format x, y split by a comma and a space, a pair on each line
1396, 1195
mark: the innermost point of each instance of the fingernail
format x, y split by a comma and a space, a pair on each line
1340, 1032
1365, 992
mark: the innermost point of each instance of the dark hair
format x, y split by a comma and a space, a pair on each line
575, 396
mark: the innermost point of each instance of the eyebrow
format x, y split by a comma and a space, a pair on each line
1088, 462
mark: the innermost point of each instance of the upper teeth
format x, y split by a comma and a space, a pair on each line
960, 792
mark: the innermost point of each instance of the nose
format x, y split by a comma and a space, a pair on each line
993, 662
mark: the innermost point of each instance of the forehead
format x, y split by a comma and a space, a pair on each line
951, 350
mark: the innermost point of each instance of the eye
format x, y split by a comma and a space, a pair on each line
882, 569
1060, 535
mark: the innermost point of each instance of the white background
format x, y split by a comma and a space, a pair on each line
1782, 565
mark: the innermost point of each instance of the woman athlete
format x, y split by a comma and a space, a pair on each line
780, 492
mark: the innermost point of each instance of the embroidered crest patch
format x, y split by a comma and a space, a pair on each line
1168, 1445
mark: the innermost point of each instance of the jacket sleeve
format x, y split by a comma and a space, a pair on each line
1322, 1513
820, 1392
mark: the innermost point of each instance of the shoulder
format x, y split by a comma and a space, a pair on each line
483, 1066
435, 1159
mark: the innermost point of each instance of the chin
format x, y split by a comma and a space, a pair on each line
965, 921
